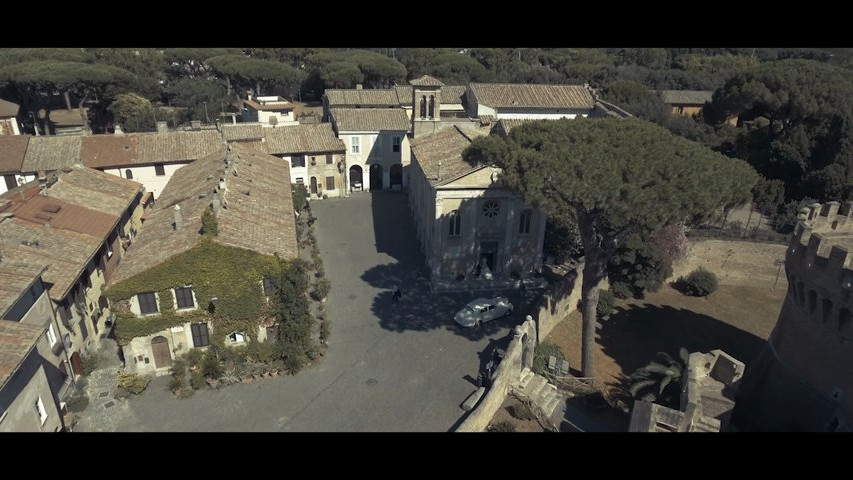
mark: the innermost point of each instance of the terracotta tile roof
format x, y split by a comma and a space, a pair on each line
452, 94
505, 125
57, 214
426, 81
13, 149
517, 95
66, 253
686, 97
8, 109
178, 146
269, 106
374, 97
99, 151
95, 189
445, 146
319, 138
15, 279
16, 341
370, 119
243, 131
257, 213
52, 153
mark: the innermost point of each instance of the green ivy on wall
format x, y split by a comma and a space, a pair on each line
232, 275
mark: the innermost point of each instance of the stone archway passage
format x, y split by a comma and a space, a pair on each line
396, 175
356, 180
376, 177
162, 356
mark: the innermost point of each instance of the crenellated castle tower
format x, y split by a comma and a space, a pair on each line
803, 377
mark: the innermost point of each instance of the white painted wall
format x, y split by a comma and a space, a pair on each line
382, 154
147, 176
19, 179
539, 116
297, 172
283, 118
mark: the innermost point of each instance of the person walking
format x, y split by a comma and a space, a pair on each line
397, 294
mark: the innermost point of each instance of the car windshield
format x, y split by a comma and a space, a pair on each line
471, 309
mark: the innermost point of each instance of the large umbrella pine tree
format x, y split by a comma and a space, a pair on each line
615, 177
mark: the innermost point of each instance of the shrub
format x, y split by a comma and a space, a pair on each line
184, 392
502, 427
321, 289
197, 380
133, 383
179, 368
176, 383
300, 196
543, 351
210, 366
700, 282
194, 358
325, 329
90, 363
606, 302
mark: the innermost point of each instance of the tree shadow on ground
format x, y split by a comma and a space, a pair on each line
635, 333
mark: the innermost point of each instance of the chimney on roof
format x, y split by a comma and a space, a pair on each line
162, 127
67, 101
179, 219
249, 95
215, 204
195, 125
358, 86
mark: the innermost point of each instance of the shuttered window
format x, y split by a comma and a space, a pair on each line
201, 336
147, 303
184, 297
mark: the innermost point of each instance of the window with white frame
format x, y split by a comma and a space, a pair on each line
355, 144
300, 181
237, 337
51, 335
40, 410
396, 146
297, 161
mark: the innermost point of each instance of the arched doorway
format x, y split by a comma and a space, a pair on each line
313, 185
356, 178
76, 363
162, 356
376, 177
397, 175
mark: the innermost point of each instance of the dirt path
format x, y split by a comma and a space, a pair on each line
746, 264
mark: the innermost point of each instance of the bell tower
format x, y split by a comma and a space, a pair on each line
426, 105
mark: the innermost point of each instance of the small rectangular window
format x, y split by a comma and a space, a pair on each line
300, 181
51, 336
147, 303
355, 144
524, 224
329, 159
330, 183
40, 410
184, 297
297, 161
396, 146
11, 182
159, 170
201, 335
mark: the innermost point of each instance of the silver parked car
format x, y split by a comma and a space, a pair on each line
482, 310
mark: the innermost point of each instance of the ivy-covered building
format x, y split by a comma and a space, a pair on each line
201, 271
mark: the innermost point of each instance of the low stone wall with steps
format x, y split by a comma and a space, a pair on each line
518, 357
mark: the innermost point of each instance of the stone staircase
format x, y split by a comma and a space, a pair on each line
543, 395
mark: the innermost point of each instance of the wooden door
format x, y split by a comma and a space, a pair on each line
162, 355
